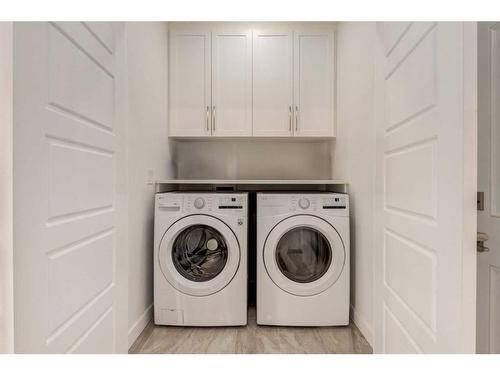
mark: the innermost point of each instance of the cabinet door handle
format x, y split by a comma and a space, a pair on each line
208, 109
213, 119
296, 118
290, 118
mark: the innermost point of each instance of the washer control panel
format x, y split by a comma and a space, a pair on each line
230, 202
169, 202
199, 203
202, 202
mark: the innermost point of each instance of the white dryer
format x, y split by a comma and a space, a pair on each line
200, 259
303, 259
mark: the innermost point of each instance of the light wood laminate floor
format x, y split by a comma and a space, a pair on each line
251, 339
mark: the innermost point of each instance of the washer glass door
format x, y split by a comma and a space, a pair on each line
199, 255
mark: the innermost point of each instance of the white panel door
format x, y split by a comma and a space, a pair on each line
426, 156
272, 83
488, 271
190, 83
69, 262
232, 83
314, 71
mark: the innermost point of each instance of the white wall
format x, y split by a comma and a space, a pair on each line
253, 159
6, 230
148, 158
354, 157
121, 191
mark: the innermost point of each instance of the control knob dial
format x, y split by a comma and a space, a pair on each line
199, 203
304, 203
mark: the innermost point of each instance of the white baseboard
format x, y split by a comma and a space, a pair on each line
363, 326
139, 325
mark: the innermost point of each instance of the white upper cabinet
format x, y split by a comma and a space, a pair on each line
273, 83
232, 83
314, 85
190, 76
260, 82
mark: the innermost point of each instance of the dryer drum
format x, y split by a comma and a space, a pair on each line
199, 253
303, 254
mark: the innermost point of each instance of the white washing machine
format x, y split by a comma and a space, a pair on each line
303, 259
200, 253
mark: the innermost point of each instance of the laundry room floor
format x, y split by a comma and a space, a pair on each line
251, 339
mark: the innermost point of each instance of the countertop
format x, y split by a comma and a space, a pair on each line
250, 182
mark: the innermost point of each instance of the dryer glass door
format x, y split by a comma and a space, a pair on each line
303, 254
199, 253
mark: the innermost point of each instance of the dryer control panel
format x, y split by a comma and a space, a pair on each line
331, 204
334, 203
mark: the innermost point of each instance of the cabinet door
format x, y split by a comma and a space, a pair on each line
232, 83
272, 83
314, 69
190, 83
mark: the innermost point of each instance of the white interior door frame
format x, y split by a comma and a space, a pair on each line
426, 183
6, 209
488, 263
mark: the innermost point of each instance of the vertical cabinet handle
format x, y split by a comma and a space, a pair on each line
290, 118
213, 119
208, 109
296, 118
